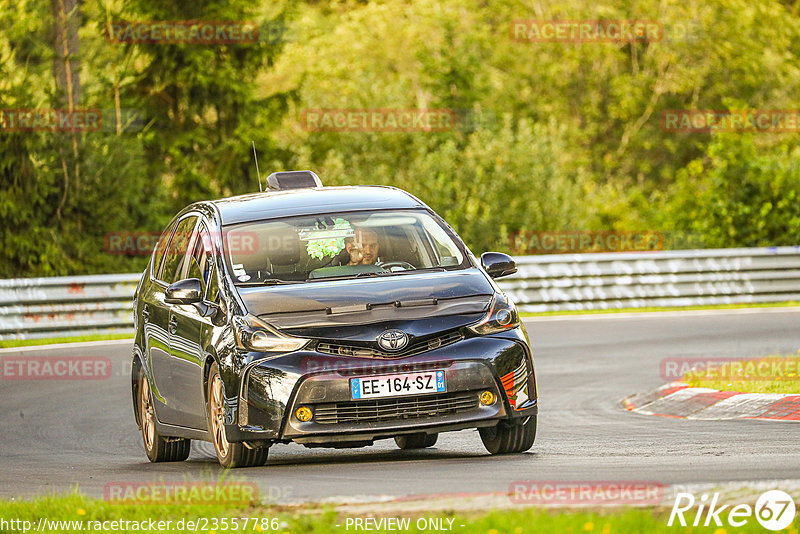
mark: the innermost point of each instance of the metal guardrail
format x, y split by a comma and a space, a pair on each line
79, 305
66, 306
655, 279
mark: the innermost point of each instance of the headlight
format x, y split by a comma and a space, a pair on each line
502, 316
254, 334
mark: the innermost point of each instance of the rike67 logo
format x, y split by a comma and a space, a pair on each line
774, 510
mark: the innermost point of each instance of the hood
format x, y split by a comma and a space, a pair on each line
358, 310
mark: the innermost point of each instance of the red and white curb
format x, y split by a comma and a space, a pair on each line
677, 399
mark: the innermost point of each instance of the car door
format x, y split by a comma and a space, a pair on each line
187, 329
172, 271
154, 318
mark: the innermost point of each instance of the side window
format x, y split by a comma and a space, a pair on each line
213, 286
178, 247
161, 246
199, 264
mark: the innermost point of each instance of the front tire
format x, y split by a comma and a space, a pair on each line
230, 455
416, 441
509, 437
157, 447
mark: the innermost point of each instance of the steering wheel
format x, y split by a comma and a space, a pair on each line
404, 264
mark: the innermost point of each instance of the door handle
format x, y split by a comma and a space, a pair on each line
146, 314
173, 324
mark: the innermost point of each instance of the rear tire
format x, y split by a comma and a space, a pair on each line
416, 441
509, 437
157, 447
230, 455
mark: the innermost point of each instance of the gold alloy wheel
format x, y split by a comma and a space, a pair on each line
217, 409
148, 417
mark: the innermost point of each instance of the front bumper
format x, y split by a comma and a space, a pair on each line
272, 390
335, 414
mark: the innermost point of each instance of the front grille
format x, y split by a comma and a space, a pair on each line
371, 411
338, 349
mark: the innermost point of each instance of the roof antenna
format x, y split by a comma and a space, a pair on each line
255, 157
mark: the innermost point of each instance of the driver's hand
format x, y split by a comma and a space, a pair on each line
364, 248
356, 255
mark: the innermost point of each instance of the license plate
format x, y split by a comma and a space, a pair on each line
397, 385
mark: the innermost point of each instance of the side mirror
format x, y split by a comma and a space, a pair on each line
210, 310
189, 291
498, 264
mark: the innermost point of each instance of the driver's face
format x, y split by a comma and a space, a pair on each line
369, 247
364, 248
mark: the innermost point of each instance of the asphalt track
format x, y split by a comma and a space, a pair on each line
59, 434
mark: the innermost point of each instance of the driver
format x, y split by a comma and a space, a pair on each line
363, 248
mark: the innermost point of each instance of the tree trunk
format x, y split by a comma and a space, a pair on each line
66, 71
66, 62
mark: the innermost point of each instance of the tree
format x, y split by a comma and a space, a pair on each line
739, 195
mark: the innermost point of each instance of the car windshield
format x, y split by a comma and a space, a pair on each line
340, 245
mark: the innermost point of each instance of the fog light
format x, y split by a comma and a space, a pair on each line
487, 398
303, 414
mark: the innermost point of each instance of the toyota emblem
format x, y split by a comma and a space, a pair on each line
393, 340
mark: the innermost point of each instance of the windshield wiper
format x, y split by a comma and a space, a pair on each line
347, 276
420, 270
405, 271
278, 281
370, 274
270, 282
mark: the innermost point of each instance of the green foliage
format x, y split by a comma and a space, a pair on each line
569, 135
517, 177
201, 100
740, 194
60, 194
549, 136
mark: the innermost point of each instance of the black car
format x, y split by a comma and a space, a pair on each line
326, 316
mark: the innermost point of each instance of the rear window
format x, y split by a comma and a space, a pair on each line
343, 245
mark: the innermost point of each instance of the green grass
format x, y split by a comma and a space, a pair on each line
313, 519
662, 309
50, 340
771, 374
